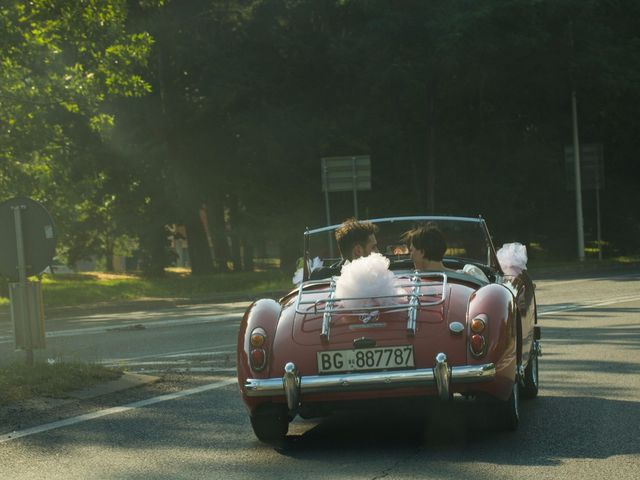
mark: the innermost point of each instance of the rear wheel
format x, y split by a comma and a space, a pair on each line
270, 424
507, 414
530, 380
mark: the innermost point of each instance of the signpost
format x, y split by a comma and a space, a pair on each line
591, 161
27, 246
342, 174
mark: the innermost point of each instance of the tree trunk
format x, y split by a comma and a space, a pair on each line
219, 233
234, 220
288, 254
247, 250
109, 254
153, 247
199, 253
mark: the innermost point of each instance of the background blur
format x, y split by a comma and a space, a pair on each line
190, 133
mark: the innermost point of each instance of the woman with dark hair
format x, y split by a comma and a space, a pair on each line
426, 247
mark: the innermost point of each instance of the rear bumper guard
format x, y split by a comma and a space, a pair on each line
291, 385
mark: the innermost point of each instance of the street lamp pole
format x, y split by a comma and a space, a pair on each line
576, 166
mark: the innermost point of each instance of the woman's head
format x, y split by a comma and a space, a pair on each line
426, 242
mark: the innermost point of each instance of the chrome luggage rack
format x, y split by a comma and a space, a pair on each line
410, 301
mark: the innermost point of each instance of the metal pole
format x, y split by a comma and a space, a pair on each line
22, 277
354, 180
576, 154
599, 233
325, 173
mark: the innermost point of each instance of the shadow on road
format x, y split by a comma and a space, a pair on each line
215, 439
552, 429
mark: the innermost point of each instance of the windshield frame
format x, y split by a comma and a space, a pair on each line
492, 258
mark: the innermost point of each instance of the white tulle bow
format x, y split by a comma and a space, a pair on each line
368, 278
512, 258
299, 273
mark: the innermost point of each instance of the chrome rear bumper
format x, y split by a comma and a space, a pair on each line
291, 385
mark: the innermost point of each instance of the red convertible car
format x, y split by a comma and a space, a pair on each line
431, 335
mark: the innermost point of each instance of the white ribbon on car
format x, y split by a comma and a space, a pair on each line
512, 258
367, 279
314, 264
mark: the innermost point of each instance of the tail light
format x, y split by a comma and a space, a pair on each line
477, 344
477, 341
257, 352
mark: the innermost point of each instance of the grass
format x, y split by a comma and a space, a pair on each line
19, 382
95, 287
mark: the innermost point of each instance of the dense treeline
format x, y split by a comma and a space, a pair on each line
125, 117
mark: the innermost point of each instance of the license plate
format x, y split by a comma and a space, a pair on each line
375, 358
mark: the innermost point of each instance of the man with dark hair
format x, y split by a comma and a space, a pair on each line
356, 239
426, 247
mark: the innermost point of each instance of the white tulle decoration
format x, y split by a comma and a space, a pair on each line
512, 258
316, 263
368, 278
297, 276
313, 265
474, 271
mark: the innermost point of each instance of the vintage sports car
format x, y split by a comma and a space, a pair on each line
421, 335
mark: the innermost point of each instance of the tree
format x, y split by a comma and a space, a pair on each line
62, 62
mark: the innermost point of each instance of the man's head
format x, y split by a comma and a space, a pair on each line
356, 239
428, 240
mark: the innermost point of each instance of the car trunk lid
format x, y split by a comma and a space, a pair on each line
376, 322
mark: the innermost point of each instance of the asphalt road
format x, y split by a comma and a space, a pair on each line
584, 424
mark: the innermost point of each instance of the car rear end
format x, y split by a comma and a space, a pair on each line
417, 345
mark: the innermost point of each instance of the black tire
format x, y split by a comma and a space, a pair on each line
507, 414
530, 381
270, 424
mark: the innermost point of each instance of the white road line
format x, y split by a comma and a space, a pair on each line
190, 370
178, 352
570, 308
123, 326
200, 354
579, 280
110, 411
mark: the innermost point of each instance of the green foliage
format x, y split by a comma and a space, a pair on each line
61, 64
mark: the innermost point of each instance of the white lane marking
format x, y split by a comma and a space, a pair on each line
167, 362
168, 354
570, 308
199, 354
123, 326
111, 411
544, 283
191, 370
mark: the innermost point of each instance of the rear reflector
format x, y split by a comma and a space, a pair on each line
477, 345
258, 359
